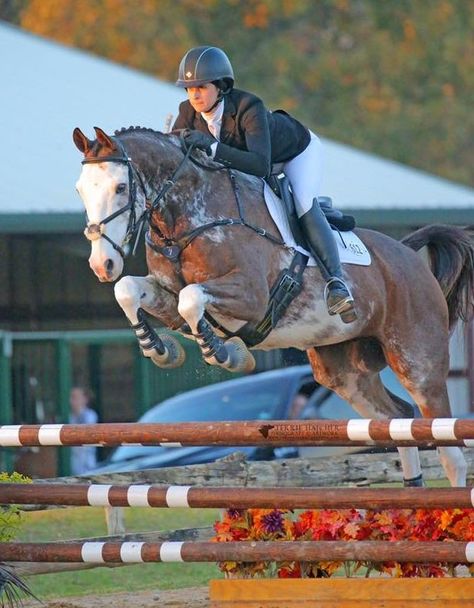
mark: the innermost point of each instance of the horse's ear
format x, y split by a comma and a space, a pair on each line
104, 139
83, 143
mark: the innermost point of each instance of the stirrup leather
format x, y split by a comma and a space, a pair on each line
342, 305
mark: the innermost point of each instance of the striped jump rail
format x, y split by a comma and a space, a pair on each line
101, 495
243, 551
426, 432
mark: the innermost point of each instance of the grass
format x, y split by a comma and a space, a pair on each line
63, 524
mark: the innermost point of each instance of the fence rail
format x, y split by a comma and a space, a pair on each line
103, 495
424, 432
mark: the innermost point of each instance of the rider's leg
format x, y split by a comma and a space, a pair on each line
321, 240
305, 175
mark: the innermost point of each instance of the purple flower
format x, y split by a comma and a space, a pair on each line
272, 522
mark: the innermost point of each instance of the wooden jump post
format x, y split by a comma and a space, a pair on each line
243, 551
101, 495
359, 432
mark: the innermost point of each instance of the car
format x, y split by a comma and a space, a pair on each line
288, 393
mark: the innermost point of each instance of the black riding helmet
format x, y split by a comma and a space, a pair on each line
204, 64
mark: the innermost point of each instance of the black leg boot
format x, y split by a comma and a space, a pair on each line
321, 242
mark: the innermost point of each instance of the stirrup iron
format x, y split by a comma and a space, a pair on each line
341, 306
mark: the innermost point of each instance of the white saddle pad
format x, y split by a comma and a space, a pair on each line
351, 249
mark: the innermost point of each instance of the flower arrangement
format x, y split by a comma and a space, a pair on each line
348, 525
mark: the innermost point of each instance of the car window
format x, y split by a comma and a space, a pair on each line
333, 407
254, 401
235, 403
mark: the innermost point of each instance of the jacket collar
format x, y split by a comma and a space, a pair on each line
228, 121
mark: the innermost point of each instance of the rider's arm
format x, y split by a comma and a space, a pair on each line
256, 160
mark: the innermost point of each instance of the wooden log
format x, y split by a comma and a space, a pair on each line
112, 496
234, 470
342, 593
357, 432
245, 551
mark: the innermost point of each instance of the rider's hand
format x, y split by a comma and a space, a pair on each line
200, 140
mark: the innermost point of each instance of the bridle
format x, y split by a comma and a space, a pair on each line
94, 231
172, 247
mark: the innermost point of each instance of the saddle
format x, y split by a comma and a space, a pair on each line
280, 185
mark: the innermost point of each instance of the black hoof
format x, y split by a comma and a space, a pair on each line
415, 482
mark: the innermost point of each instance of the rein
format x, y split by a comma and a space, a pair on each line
173, 247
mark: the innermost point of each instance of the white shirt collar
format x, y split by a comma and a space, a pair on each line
214, 119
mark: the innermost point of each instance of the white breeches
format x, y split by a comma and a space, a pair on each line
305, 173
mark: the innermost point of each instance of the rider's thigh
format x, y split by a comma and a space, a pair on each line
305, 173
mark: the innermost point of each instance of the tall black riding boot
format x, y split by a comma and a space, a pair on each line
321, 242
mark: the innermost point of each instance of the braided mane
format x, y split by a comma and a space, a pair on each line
131, 129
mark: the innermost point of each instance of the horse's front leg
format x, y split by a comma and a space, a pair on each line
231, 354
137, 295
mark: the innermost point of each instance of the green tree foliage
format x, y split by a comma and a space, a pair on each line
395, 77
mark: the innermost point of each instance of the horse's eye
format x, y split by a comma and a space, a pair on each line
120, 188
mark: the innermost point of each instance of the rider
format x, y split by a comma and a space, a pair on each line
235, 129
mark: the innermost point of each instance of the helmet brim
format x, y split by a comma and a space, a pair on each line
185, 84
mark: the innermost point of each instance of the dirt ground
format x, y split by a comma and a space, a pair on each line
193, 597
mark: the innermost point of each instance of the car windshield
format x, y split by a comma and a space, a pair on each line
255, 400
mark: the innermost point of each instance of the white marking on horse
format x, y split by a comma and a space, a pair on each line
97, 187
192, 304
134, 292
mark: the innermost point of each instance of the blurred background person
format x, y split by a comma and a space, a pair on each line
83, 458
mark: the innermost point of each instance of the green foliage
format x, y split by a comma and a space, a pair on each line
10, 515
393, 77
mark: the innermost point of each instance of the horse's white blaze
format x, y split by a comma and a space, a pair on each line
192, 304
97, 187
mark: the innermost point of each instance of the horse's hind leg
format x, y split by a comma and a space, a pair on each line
351, 369
136, 295
423, 369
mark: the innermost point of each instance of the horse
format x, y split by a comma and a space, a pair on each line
213, 254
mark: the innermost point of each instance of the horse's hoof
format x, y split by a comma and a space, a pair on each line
415, 482
174, 355
240, 358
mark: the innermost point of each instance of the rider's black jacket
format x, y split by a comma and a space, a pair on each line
252, 138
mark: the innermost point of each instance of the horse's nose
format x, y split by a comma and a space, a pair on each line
109, 267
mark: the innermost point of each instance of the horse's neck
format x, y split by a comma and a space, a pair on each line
198, 196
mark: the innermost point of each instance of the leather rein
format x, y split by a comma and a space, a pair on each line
173, 247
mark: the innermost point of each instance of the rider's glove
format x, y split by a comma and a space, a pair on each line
200, 140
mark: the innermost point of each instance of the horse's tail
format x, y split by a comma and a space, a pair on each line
451, 252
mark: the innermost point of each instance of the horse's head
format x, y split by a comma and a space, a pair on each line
107, 186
